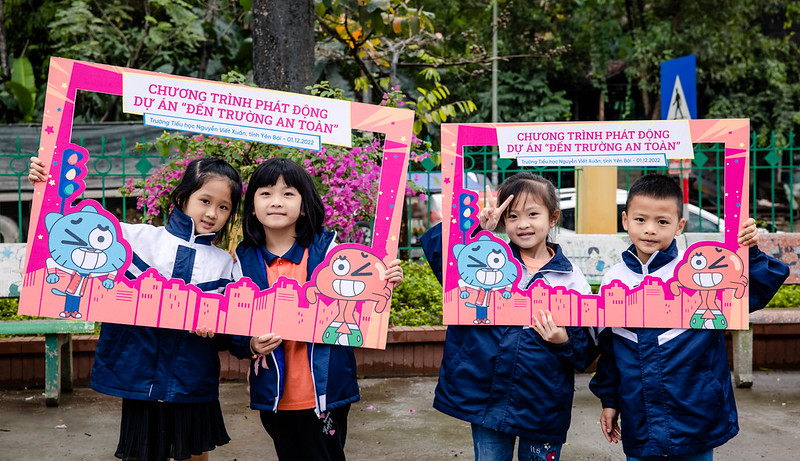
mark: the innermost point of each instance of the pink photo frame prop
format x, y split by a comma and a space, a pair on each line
153, 300
676, 303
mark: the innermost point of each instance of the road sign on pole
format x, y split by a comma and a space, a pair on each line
679, 102
679, 88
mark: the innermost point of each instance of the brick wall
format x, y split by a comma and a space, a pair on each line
409, 351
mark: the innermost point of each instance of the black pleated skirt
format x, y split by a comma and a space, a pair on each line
160, 430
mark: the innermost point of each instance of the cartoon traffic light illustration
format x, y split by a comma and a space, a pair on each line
73, 169
465, 212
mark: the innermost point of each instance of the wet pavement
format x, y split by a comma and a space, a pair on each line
393, 421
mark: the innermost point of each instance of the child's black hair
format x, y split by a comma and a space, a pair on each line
312, 215
657, 186
528, 183
197, 173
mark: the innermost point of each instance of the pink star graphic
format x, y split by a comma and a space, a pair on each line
447, 180
49, 129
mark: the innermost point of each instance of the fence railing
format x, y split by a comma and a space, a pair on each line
107, 169
775, 183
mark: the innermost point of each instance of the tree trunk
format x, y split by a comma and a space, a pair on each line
601, 116
645, 100
3, 47
283, 44
205, 51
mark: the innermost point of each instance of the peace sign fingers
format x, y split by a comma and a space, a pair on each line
505, 205
490, 215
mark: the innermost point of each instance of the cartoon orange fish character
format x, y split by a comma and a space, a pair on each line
709, 269
352, 275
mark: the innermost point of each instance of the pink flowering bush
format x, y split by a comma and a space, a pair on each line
154, 196
153, 191
349, 178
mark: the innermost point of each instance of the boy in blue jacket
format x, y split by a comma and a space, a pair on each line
672, 387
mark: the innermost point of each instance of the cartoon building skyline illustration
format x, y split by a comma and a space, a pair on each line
152, 300
649, 305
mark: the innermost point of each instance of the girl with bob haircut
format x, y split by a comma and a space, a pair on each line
302, 390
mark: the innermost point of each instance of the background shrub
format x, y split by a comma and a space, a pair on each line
8, 310
418, 300
787, 296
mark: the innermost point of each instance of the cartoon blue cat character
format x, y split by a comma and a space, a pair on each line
484, 266
83, 244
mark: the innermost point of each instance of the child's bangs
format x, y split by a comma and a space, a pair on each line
529, 190
291, 173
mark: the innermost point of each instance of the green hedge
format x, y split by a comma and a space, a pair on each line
8, 310
418, 300
787, 296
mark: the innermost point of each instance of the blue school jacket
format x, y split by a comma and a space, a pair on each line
507, 378
160, 364
332, 367
672, 387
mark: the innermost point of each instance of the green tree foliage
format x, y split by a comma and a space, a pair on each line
579, 60
117, 32
162, 35
374, 35
601, 58
172, 36
532, 74
393, 45
526, 99
26, 34
746, 55
19, 94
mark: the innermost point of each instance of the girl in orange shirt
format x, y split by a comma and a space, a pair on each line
303, 390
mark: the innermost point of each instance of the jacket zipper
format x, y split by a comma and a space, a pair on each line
317, 410
277, 382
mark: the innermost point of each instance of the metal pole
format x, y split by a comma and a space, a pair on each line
494, 83
494, 61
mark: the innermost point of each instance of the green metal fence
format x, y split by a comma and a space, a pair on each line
775, 182
107, 172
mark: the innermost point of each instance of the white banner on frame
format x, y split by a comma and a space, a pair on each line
218, 108
596, 143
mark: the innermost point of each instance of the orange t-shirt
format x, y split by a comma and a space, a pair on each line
535, 265
298, 383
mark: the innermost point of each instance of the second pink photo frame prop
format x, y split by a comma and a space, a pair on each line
488, 292
77, 255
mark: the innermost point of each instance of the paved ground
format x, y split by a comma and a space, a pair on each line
393, 421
